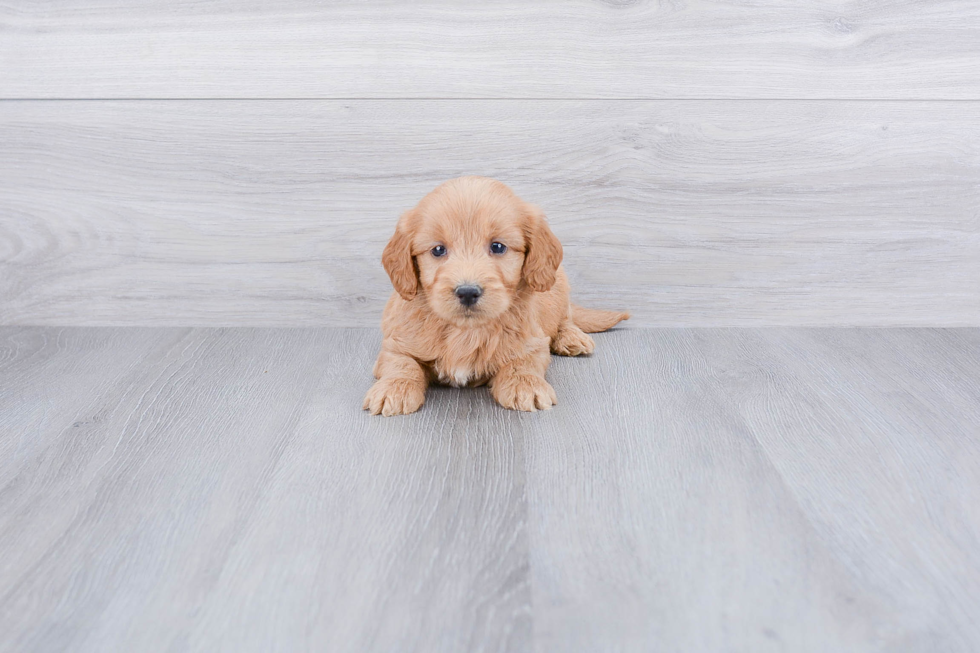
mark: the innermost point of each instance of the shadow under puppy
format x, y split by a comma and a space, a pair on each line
480, 297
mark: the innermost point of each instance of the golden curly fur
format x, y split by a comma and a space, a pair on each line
506, 336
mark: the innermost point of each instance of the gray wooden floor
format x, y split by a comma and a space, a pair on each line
695, 490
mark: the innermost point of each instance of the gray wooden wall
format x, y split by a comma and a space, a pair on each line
705, 163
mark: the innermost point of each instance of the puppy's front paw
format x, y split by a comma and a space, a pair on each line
394, 397
525, 392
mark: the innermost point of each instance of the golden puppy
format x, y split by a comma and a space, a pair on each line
481, 297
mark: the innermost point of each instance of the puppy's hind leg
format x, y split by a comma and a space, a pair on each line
571, 340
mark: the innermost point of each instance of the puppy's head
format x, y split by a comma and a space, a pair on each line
469, 249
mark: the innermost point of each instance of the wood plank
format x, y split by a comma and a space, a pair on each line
229, 494
699, 49
40, 366
687, 213
694, 489
759, 490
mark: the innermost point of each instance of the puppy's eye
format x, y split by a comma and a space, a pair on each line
498, 248
439, 250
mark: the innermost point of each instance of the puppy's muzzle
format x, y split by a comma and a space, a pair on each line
468, 294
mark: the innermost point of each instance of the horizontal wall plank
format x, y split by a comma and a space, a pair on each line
705, 49
685, 212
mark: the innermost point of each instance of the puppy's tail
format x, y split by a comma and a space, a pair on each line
593, 321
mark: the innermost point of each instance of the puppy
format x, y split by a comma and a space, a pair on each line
481, 297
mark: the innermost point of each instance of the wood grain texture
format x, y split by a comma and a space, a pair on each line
695, 490
226, 493
597, 49
274, 213
760, 490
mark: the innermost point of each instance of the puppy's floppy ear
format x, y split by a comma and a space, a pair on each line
398, 261
544, 253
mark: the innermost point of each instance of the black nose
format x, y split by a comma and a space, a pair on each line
468, 294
